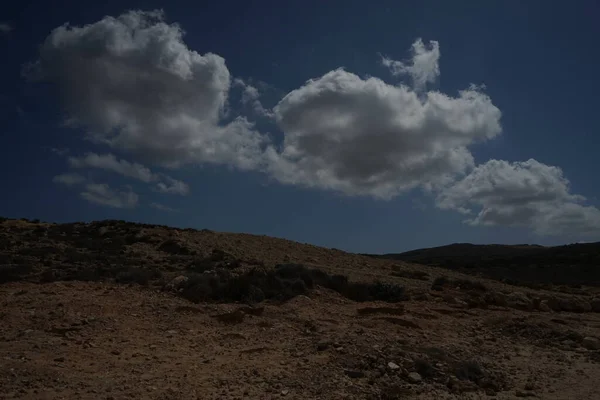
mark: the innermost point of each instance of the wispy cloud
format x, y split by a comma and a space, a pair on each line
162, 207
5, 27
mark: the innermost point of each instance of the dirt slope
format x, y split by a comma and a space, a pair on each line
75, 323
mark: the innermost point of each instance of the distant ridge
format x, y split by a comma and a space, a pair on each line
530, 264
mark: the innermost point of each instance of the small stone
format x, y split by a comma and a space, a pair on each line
393, 366
414, 377
284, 392
59, 359
115, 352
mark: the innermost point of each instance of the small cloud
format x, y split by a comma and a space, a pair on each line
423, 68
5, 27
60, 151
109, 162
162, 207
103, 194
173, 186
68, 179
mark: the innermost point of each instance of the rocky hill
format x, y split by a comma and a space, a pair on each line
116, 310
532, 265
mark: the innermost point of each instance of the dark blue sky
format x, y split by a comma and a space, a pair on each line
537, 59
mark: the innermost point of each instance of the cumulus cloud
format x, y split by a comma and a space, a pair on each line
103, 194
364, 136
529, 194
134, 84
69, 179
423, 68
109, 162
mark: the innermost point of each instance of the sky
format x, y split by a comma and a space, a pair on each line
364, 126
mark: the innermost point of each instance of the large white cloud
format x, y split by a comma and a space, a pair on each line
103, 194
109, 162
133, 83
364, 136
529, 194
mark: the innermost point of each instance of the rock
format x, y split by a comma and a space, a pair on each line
393, 366
519, 300
414, 377
595, 304
59, 359
176, 283
449, 299
569, 343
544, 306
495, 299
284, 392
354, 374
591, 343
523, 393
323, 345
581, 305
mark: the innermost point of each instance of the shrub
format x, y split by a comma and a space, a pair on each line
137, 275
419, 275
424, 368
282, 283
470, 370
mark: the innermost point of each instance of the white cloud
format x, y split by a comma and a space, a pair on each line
59, 151
251, 98
103, 194
366, 137
529, 194
134, 84
173, 186
108, 162
69, 179
5, 27
423, 68
162, 207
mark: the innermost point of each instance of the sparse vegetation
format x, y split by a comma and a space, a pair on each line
282, 283
463, 284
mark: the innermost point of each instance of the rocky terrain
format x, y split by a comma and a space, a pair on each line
116, 310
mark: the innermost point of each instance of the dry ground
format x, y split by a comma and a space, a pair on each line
104, 340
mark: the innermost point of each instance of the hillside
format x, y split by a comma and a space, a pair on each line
532, 265
117, 310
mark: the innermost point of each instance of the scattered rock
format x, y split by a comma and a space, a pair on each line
595, 304
591, 343
354, 374
544, 306
177, 283
393, 366
323, 345
519, 300
414, 377
524, 393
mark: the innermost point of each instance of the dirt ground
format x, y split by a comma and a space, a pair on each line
62, 337
101, 341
